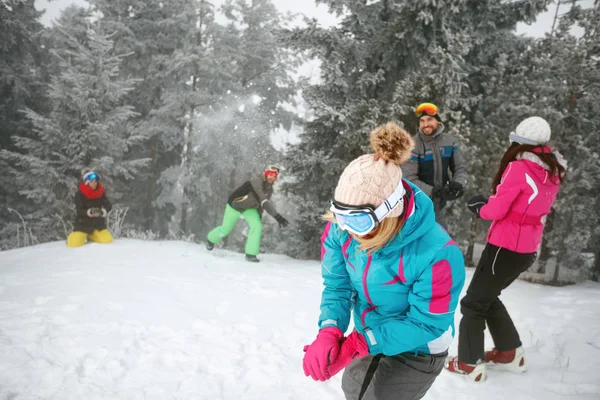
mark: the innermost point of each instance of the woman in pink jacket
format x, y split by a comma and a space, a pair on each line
524, 190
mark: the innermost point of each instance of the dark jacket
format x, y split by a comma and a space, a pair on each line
86, 198
255, 193
432, 158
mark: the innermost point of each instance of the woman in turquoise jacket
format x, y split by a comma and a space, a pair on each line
388, 263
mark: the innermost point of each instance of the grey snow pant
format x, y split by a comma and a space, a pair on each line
405, 376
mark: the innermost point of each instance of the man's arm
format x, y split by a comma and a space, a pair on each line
458, 165
263, 197
410, 170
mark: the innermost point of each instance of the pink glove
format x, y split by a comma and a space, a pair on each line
354, 346
322, 352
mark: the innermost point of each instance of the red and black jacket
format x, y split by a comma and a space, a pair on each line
87, 198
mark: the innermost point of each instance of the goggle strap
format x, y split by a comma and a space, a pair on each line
391, 202
514, 138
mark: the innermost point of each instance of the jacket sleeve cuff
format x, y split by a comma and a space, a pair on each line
328, 323
372, 342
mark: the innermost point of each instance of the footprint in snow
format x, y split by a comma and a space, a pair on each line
222, 308
70, 307
42, 300
60, 320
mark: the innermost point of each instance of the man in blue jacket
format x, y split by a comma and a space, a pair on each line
436, 165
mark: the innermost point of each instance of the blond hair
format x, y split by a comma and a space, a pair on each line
377, 238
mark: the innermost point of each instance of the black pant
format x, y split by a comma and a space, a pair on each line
404, 376
496, 270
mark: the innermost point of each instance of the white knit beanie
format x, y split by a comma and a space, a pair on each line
372, 178
532, 130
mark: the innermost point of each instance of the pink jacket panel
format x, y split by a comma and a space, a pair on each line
525, 195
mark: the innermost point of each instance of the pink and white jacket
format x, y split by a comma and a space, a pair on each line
524, 196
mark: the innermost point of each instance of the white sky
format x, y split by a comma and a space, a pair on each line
310, 9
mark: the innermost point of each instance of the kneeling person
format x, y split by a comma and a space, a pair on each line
92, 206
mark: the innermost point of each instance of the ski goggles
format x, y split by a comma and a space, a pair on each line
361, 220
272, 170
91, 176
426, 108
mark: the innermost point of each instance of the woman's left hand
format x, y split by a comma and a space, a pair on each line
354, 346
475, 204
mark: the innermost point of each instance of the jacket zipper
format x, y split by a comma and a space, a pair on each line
366, 290
437, 163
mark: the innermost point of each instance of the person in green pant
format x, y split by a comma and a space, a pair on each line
249, 201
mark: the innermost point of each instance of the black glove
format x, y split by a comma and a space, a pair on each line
281, 221
436, 192
453, 191
475, 204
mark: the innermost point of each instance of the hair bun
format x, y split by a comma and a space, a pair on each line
391, 143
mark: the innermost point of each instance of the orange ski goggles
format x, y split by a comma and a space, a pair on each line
426, 108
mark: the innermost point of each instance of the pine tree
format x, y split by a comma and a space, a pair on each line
493, 78
232, 111
552, 78
151, 32
85, 129
384, 59
21, 86
574, 92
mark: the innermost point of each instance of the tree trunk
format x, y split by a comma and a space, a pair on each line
555, 18
150, 193
190, 132
596, 267
471, 243
183, 221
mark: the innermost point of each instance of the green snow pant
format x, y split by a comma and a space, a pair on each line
230, 218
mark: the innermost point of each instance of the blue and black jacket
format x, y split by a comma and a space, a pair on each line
432, 161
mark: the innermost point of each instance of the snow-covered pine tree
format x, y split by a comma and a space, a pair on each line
570, 79
519, 77
151, 32
259, 66
86, 128
383, 59
21, 86
494, 50
241, 75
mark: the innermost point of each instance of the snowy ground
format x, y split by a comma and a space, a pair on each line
168, 320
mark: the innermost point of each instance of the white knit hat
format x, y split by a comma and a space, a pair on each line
532, 130
372, 178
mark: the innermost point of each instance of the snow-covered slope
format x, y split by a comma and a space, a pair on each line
168, 320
